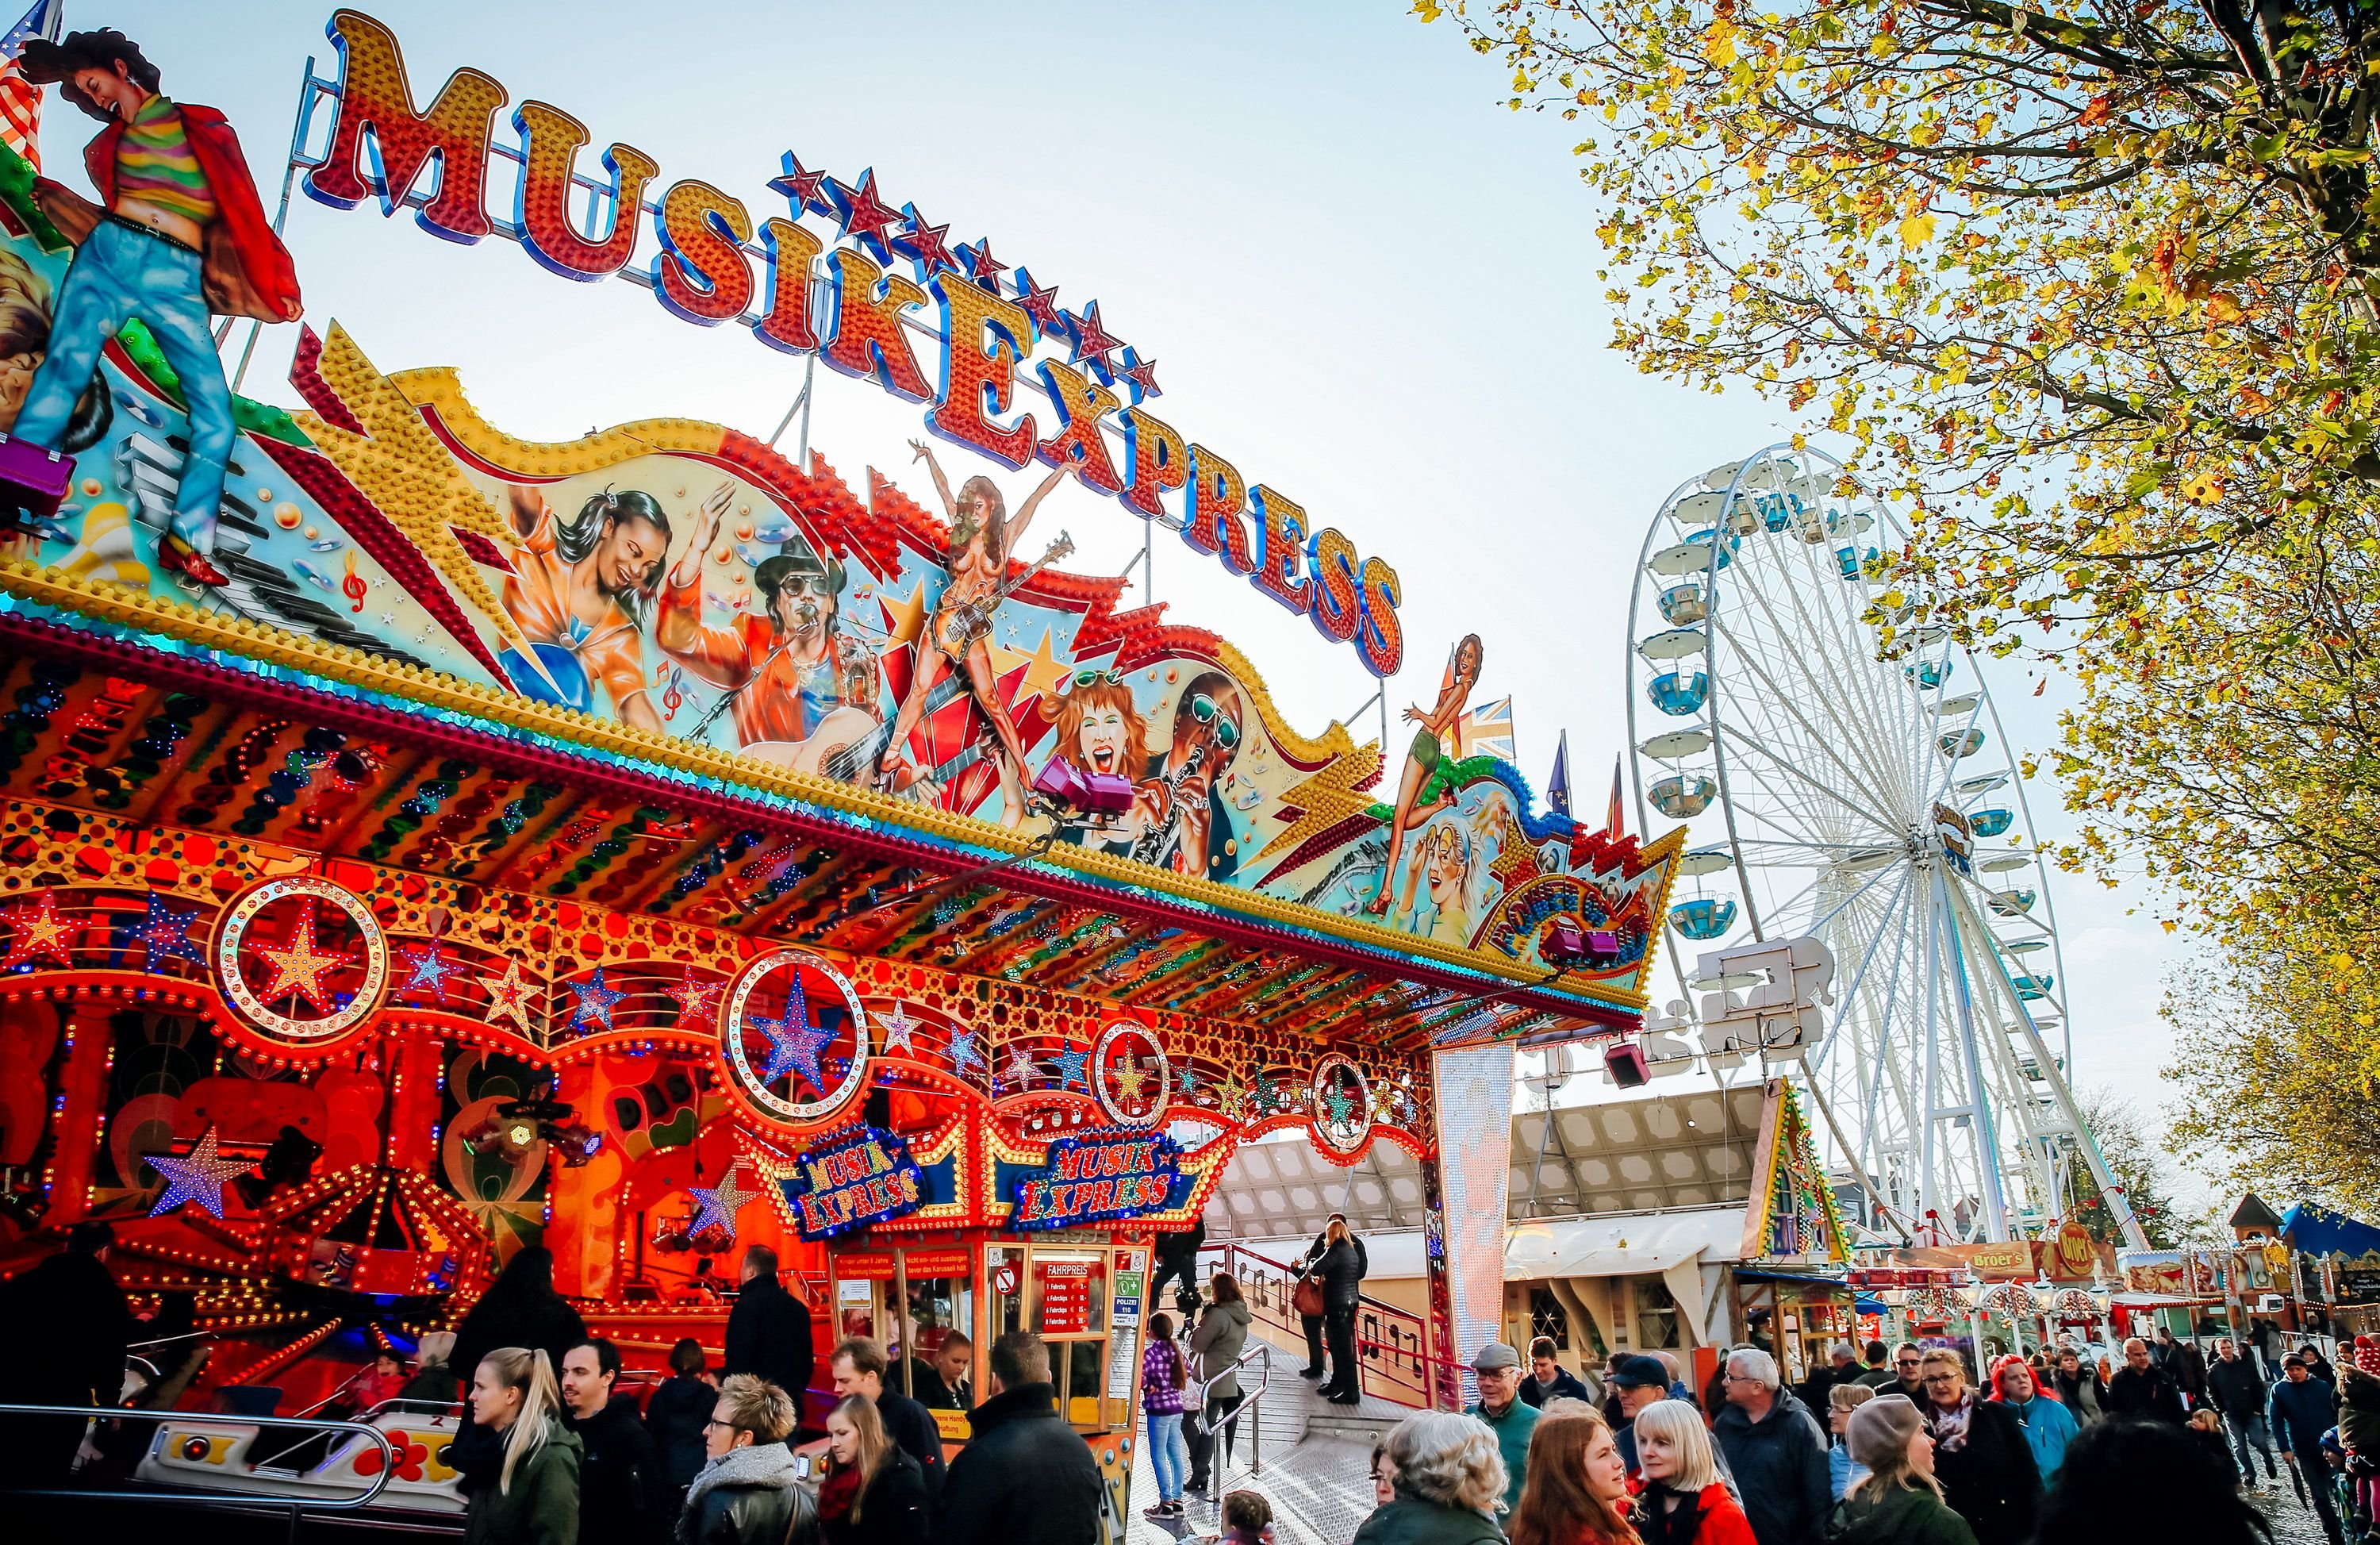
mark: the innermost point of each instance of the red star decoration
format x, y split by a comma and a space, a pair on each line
298, 966
862, 214
698, 1001
806, 190
1142, 373
42, 934
982, 267
1092, 342
925, 244
1040, 304
508, 996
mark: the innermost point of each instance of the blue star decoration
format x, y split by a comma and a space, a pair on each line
794, 1042
595, 1002
963, 1052
1071, 1067
1342, 1105
199, 1178
1187, 1082
718, 1204
430, 967
164, 934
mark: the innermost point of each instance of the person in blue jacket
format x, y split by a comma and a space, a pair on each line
1549, 1379
2048, 1425
2299, 1411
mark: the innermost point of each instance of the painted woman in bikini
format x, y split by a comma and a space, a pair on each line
981, 540
1421, 760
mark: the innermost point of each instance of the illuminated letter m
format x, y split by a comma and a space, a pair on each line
375, 97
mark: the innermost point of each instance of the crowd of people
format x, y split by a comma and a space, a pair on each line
1901, 1446
1882, 1446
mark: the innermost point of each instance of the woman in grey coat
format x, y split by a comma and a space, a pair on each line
1215, 1347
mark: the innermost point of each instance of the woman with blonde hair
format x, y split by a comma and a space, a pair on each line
534, 1498
1450, 1481
1341, 1271
875, 1491
1841, 1468
1576, 1484
1899, 1503
1684, 1502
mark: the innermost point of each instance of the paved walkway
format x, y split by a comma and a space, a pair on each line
1317, 1477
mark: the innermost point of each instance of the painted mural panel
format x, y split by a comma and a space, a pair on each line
671, 585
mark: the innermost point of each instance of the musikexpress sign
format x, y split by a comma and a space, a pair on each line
845, 300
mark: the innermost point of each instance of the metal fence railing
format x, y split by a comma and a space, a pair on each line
229, 1497
1391, 1344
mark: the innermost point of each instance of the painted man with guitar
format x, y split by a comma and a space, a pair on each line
957, 644
798, 688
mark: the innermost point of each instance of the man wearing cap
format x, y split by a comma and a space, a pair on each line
2299, 1411
1635, 1380
788, 672
1511, 1419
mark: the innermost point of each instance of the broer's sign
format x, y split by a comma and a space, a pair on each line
844, 301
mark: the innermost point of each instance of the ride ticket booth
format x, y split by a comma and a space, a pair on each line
932, 1213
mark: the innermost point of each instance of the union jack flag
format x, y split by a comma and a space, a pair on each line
1487, 731
20, 100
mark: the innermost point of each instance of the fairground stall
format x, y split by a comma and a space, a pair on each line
648, 846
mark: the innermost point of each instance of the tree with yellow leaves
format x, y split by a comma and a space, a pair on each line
2096, 290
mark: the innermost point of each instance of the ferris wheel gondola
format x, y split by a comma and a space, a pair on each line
1843, 770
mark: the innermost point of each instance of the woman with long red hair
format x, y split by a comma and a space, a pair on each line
1576, 1482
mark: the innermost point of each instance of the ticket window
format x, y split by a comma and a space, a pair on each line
1069, 1312
937, 1299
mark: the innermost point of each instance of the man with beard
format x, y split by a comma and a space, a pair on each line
581, 592
1184, 825
789, 671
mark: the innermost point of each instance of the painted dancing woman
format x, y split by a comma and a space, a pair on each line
1428, 749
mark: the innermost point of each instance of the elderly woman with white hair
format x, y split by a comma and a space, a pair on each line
1450, 1481
1775, 1449
1684, 1501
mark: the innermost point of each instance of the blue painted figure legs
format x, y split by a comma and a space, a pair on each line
119, 274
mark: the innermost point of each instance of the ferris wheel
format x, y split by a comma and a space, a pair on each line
1844, 773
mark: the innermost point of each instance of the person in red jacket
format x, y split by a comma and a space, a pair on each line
180, 233
1684, 1501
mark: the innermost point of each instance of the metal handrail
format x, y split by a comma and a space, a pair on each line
1252, 1404
298, 1506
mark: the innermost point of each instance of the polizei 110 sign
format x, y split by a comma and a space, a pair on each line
846, 300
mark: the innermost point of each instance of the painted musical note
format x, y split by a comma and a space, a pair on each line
353, 585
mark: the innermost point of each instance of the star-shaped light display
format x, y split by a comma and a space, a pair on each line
1131, 1078
1021, 1067
804, 190
164, 934
697, 1001
1233, 1094
508, 996
1092, 343
200, 1178
1071, 1067
298, 966
794, 1042
430, 967
859, 213
1341, 1104
928, 245
39, 935
963, 1054
1187, 1082
718, 1204
595, 1002
981, 266
899, 1029
1141, 375
1040, 304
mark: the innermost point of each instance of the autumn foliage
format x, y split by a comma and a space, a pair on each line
2092, 290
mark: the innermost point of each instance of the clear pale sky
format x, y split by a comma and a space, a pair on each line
1363, 281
